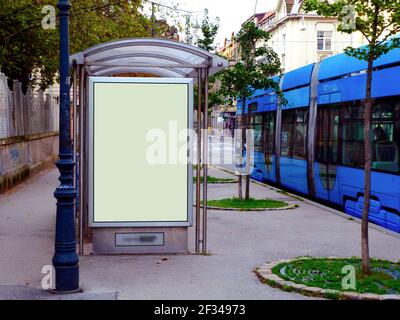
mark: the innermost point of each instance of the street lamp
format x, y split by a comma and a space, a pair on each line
65, 259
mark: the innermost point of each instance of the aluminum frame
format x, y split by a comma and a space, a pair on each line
90, 123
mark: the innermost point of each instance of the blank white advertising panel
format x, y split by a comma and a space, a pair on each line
139, 173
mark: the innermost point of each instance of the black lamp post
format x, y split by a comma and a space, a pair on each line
65, 259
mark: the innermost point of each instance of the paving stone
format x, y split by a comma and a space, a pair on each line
370, 296
265, 272
352, 295
298, 286
287, 283
390, 297
315, 290
273, 277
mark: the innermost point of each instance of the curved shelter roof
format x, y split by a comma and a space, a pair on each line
164, 58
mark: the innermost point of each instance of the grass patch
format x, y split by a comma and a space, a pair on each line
211, 179
327, 274
246, 204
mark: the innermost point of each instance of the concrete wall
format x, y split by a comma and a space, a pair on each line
28, 133
22, 157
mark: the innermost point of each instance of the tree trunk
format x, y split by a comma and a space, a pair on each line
366, 267
247, 176
248, 145
242, 132
240, 195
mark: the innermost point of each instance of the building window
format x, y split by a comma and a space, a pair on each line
283, 63
271, 21
324, 40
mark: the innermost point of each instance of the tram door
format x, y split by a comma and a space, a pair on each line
269, 144
327, 153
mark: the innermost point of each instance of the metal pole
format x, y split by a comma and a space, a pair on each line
198, 168
205, 160
153, 20
74, 133
65, 259
81, 126
85, 149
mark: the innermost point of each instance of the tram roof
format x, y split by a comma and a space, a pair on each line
160, 57
341, 65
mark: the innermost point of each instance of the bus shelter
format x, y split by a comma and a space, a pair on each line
157, 58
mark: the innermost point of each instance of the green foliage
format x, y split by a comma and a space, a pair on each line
28, 49
257, 65
377, 20
189, 29
24, 44
209, 30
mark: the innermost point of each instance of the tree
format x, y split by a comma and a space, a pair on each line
257, 64
29, 53
377, 20
209, 30
190, 30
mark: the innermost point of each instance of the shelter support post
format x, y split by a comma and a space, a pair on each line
80, 159
75, 128
198, 155
205, 160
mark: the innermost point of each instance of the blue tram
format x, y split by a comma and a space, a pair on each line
314, 144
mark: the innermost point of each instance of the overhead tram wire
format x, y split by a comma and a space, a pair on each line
255, 7
171, 8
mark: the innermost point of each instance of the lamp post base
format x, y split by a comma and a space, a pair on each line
66, 279
54, 291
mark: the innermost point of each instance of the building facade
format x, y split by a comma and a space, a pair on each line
301, 38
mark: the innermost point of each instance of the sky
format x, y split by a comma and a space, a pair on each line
232, 13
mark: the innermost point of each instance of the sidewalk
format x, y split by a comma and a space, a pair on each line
239, 242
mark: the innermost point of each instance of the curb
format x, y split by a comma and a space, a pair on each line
266, 275
293, 206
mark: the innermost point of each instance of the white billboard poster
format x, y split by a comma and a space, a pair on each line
139, 171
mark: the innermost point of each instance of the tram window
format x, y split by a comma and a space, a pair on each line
353, 135
287, 133
300, 138
385, 143
327, 144
269, 132
294, 133
385, 131
256, 125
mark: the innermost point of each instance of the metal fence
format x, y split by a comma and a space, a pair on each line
29, 114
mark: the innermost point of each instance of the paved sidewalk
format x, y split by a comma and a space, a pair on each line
238, 241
